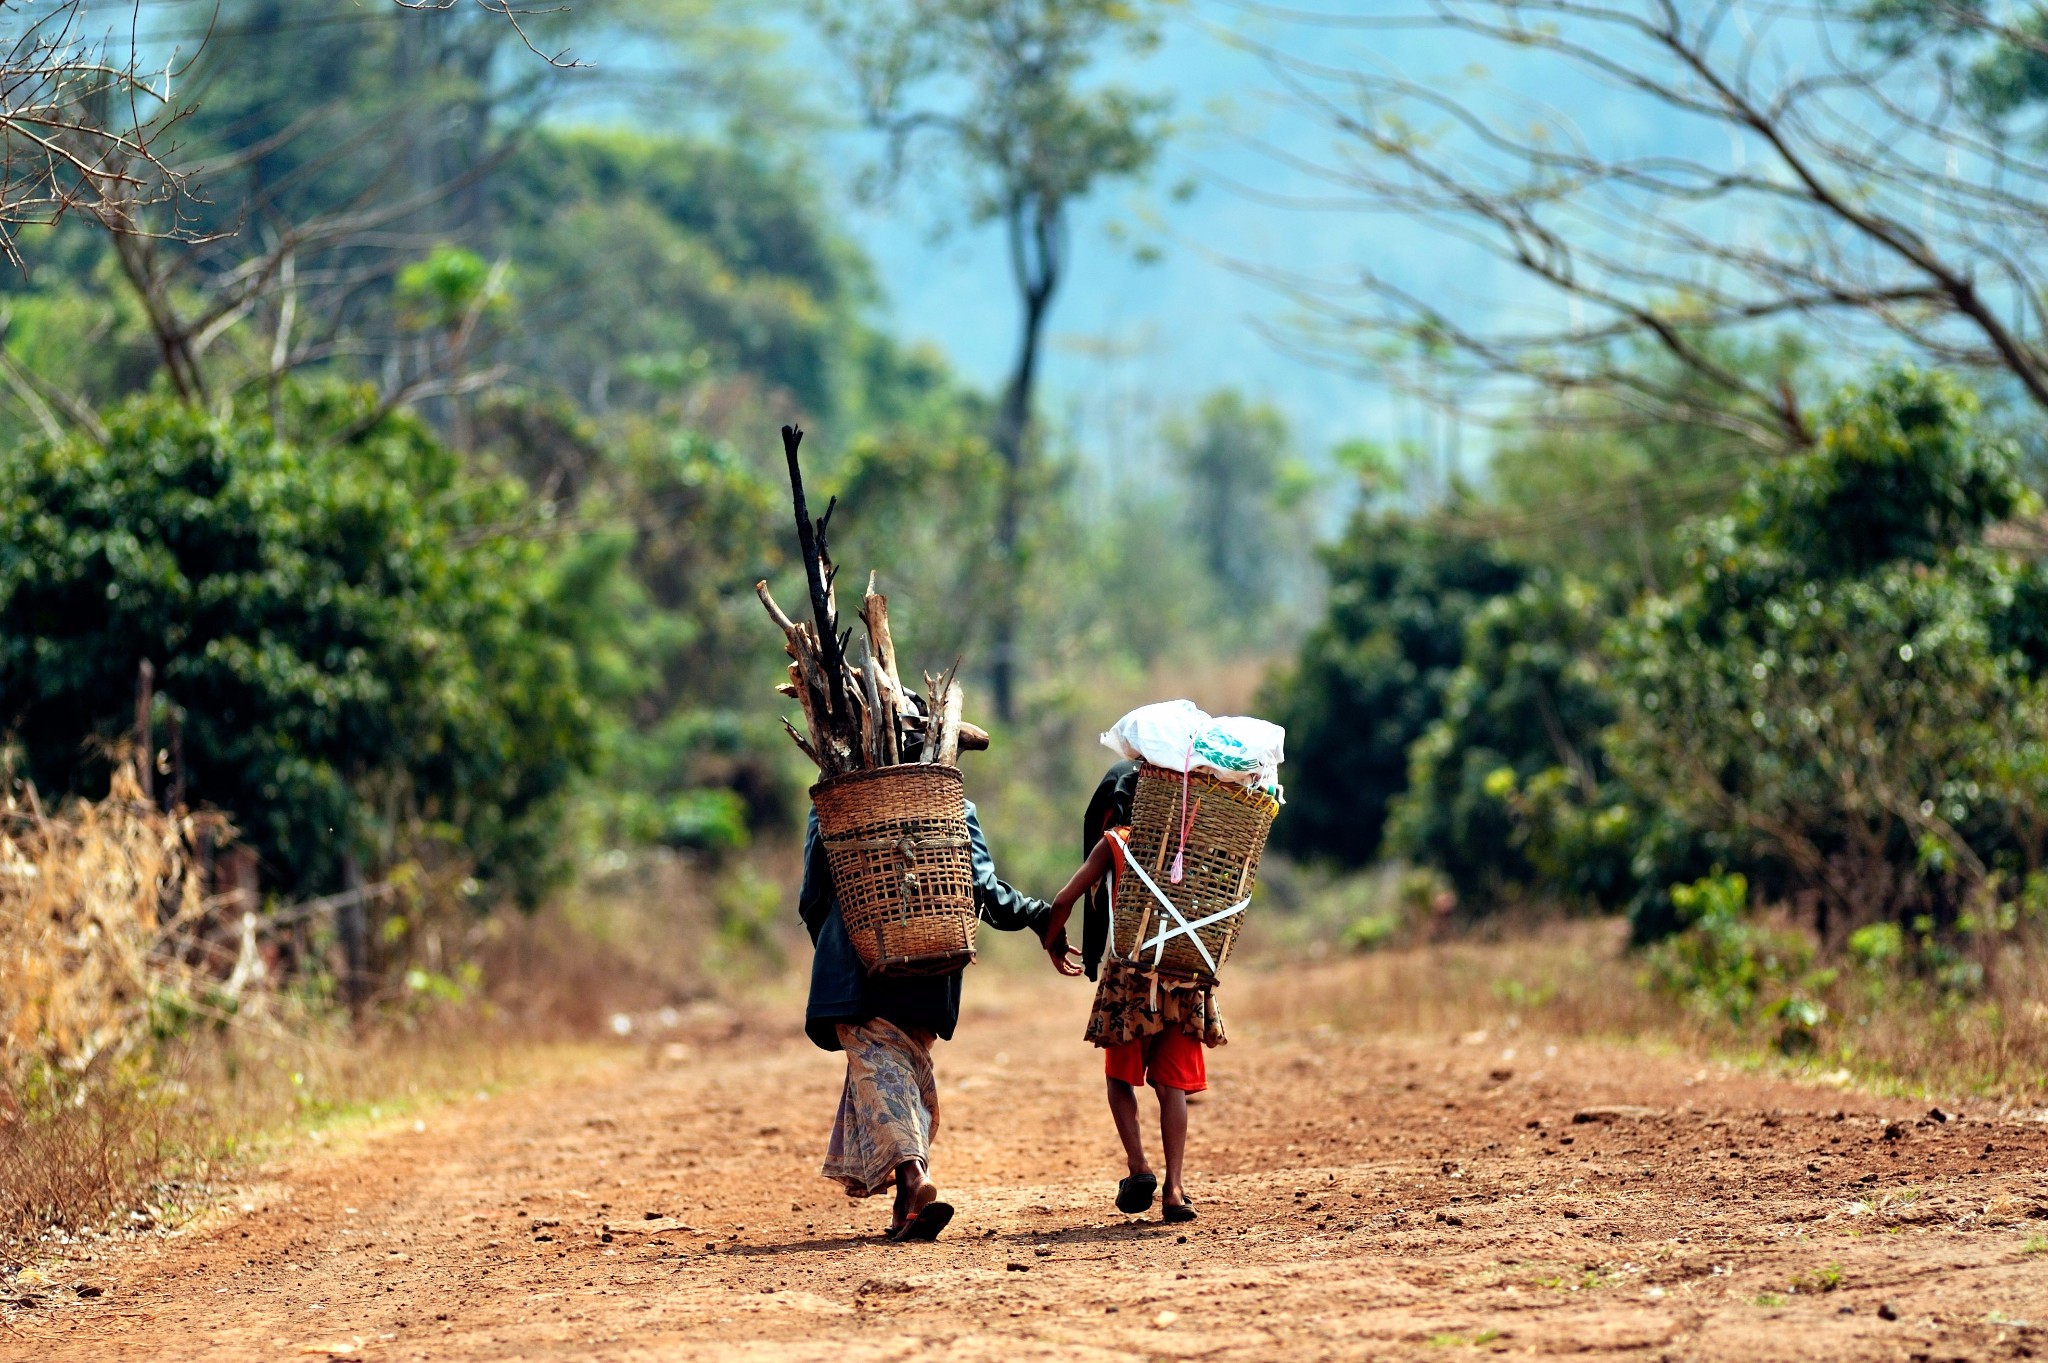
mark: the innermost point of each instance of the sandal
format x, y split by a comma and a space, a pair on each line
1177, 1213
928, 1216
1134, 1194
932, 1218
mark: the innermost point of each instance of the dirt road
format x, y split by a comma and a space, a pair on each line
1359, 1198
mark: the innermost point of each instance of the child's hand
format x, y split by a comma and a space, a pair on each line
1065, 959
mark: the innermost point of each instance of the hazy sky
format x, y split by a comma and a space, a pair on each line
1133, 343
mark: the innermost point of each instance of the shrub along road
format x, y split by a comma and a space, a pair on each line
1359, 1198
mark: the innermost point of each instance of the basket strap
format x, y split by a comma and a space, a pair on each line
1188, 929
904, 844
1158, 944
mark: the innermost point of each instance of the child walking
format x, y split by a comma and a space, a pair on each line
1152, 1028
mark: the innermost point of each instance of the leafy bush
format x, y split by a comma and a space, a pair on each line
355, 640
1526, 704
1371, 677
1835, 708
1841, 699
1725, 964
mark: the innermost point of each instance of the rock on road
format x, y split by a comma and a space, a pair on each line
1359, 1198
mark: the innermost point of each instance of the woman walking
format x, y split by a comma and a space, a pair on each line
886, 1025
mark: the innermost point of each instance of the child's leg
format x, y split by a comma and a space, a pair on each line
1173, 1135
1177, 1069
1123, 1108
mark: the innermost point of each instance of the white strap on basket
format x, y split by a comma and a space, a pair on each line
1182, 928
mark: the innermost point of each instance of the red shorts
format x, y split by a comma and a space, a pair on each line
1170, 1059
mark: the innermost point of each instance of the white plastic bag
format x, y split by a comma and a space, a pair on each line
1242, 749
1180, 736
1163, 734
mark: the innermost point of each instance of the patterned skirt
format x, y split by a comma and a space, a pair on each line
888, 1111
1132, 1003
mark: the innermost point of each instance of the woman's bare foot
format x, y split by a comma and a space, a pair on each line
926, 1215
914, 1192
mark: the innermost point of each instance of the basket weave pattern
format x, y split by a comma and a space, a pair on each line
1225, 839
896, 839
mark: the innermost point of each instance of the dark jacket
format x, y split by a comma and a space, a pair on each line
842, 991
1110, 808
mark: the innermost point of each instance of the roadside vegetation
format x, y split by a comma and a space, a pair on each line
387, 470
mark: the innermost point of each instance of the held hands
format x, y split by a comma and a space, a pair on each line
1065, 959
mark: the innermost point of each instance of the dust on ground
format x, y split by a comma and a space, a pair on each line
1359, 1197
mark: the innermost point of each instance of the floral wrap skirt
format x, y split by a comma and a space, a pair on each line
888, 1111
1131, 1004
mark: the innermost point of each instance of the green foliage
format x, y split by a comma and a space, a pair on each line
1243, 493
1840, 699
1826, 698
449, 286
921, 507
1525, 703
1019, 124
1731, 967
1596, 491
1901, 474
2004, 69
347, 635
651, 263
1371, 677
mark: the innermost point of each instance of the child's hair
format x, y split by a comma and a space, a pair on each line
1110, 807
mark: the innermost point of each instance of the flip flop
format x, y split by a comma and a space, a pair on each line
1177, 1213
932, 1218
928, 1216
1134, 1194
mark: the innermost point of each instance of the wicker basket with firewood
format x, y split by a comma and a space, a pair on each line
891, 805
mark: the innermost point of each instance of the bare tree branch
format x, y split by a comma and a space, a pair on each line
80, 121
1805, 174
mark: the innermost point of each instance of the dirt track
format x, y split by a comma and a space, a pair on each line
1358, 1198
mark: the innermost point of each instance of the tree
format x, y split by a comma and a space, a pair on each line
1590, 487
318, 157
1526, 700
80, 122
1240, 482
1370, 677
992, 90
358, 642
1834, 694
1814, 167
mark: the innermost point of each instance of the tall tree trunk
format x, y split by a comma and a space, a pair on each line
1036, 230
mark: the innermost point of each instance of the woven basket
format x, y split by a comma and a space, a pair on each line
1220, 864
896, 839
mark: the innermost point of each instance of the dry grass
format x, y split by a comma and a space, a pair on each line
130, 1081
1577, 979
88, 898
1568, 978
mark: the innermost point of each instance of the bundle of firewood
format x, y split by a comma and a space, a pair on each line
860, 715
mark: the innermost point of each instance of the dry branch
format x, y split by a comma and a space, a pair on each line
949, 727
1878, 213
859, 718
